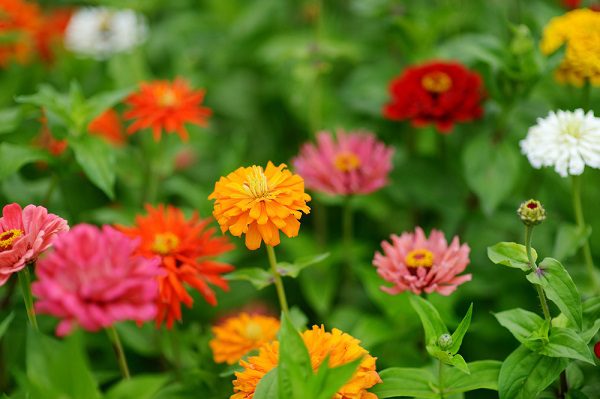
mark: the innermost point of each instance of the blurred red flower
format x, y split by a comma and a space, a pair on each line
440, 93
51, 31
108, 126
186, 248
166, 105
571, 3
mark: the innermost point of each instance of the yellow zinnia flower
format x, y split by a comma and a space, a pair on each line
341, 349
579, 30
259, 203
241, 334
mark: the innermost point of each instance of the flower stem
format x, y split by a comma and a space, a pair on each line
25, 282
119, 353
587, 252
347, 228
586, 94
540, 291
277, 280
441, 378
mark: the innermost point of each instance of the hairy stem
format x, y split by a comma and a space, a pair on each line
277, 280
119, 353
540, 291
25, 282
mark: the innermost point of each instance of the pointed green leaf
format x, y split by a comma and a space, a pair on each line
399, 381
259, 278
98, 161
138, 387
15, 156
10, 119
101, 102
430, 318
461, 330
559, 288
294, 269
523, 324
267, 387
459, 363
5, 323
328, 380
294, 362
511, 254
565, 342
483, 375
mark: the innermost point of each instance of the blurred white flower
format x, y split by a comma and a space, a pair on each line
567, 140
101, 32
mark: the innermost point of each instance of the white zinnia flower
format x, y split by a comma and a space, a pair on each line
101, 32
567, 140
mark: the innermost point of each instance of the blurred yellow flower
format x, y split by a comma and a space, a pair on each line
259, 202
341, 349
240, 334
579, 30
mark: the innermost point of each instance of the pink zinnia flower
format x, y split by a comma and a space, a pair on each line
25, 234
413, 262
92, 279
355, 163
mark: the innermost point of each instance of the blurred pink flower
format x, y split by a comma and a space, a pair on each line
25, 233
92, 279
413, 262
354, 164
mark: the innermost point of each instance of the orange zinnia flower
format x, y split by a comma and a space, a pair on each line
259, 203
186, 249
19, 21
340, 348
240, 334
108, 126
166, 105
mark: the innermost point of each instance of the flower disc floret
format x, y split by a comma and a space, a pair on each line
259, 203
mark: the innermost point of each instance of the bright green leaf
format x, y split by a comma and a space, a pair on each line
267, 387
98, 161
259, 278
138, 387
294, 362
5, 323
294, 269
328, 380
430, 318
461, 330
569, 239
483, 375
523, 324
411, 382
511, 254
459, 363
565, 342
10, 119
15, 156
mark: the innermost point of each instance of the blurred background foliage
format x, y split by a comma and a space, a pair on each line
276, 72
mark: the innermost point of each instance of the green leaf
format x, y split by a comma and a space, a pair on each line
491, 170
98, 161
459, 362
10, 119
430, 318
411, 382
294, 362
461, 330
559, 288
511, 254
268, 387
565, 342
569, 239
138, 387
15, 156
522, 324
259, 278
483, 375
5, 323
294, 269
328, 380
101, 102
524, 374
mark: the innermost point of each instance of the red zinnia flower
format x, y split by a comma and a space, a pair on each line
441, 93
597, 349
166, 105
571, 3
51, 31
186, 249
19, 21
108, 126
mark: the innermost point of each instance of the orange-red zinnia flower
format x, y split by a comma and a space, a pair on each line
240, 334
338, 347
259, 202
19, 21
166, 105
108, 126
186, 248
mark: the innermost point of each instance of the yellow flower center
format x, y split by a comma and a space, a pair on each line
573, 128
167, 98
256, 184
419, 258
436, 82
8, 237
165, 243
347, 161
254, 331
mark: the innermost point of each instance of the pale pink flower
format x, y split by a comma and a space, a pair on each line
92, 279
25, 234
413, 262
353, 163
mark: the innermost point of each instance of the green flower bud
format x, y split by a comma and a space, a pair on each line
531, 212
445, 341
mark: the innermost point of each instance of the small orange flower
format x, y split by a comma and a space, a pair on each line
186, 249
47, 141
166, 105
51, 31
108, 125
19, 21
341, 349
259, 203
240, 334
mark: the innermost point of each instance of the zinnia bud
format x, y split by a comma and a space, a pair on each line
445, 341
531, 212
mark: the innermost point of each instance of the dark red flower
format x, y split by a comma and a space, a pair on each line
597, 349
440, 93
570, 4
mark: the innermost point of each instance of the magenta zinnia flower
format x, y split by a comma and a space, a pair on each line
413, 262
92, 279
25, 233
354, 164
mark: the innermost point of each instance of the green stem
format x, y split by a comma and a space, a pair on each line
540, 291
347, 227
441, 378
51, 187
119, 353
277, 280
25, 282
587, 252
586, 94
